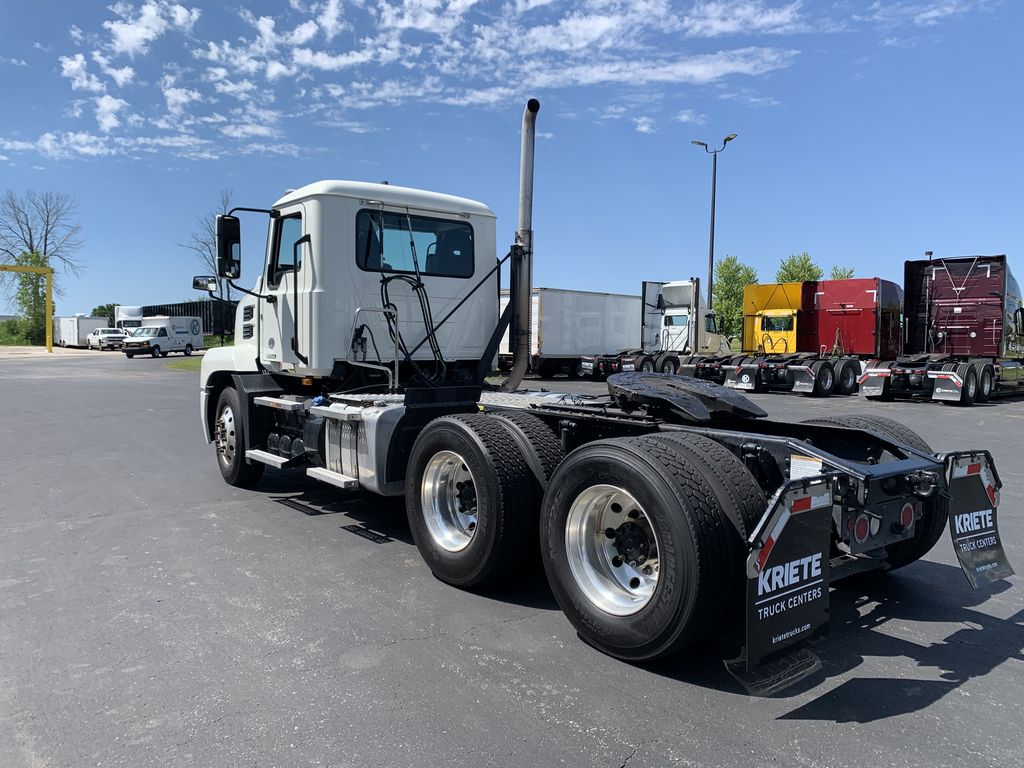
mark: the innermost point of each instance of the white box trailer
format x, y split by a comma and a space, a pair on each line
71, 331
565, 325
160, 335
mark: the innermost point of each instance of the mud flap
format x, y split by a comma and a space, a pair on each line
974, 496
803, 378
788, 569
741, 377
946, 385
872, 382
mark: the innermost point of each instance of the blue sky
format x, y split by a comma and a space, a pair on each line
868, 131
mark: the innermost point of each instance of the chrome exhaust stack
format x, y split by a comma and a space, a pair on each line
521, 269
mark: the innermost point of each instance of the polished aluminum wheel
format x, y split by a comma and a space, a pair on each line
612, 549
448, 496
224, 436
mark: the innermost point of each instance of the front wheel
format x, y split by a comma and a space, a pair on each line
129, 355
636, 547
229, 441
155, 352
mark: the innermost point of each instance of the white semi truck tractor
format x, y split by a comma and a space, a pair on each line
667, 511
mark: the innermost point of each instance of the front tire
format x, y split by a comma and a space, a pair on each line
155, 352
636, 547
469, 500
229, 441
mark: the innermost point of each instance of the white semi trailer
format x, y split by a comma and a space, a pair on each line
361, 354
568, 325
72, 331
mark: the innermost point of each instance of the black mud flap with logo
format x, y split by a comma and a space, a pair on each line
974, 497
788, 569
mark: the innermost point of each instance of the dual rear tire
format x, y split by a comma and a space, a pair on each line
641, 538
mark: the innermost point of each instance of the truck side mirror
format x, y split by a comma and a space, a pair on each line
229, 246
206, 283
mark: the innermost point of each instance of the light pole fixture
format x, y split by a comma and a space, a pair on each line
714, 179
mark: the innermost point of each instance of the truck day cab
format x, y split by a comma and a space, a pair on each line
361, 356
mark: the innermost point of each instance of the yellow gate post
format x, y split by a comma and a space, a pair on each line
48, 272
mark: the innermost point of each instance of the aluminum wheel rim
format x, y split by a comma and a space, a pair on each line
971, 383
849, 377
647, 366
611, 582
225, 436
448, 497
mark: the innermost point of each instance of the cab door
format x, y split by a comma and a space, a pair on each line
283, 268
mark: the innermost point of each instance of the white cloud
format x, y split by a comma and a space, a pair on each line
40, 47
4, 158
135, 31
719, 17
351, 126
133, 34
175, 97
120, 75
13, 61
644, 125
107, 108
76, 34
690, 116
239, 89
76, 69
330, 19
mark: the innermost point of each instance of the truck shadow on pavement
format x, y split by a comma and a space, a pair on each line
871, 620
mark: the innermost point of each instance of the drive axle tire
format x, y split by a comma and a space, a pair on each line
824, 378
935, 510
969, 391
846, 377
669, 365
469, 500
986, 379
637, 550
229, 442
538, 435
646, 364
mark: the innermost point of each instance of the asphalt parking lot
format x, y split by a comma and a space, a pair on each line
152, 615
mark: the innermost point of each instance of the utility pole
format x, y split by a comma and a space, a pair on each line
714, 182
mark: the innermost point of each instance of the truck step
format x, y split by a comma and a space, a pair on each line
333, 478
272, 459
337, 414
280, 403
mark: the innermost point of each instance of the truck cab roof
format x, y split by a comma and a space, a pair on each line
388, 195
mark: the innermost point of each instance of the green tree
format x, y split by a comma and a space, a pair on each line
30, 296
798, 267
727, 292
841, 273
104, 310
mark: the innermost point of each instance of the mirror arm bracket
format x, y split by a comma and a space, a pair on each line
269, 298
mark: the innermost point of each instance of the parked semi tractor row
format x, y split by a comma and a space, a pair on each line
811, 337
659, 510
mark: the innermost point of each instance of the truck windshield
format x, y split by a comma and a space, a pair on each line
148, 331
675, 320
777, 323
443, 248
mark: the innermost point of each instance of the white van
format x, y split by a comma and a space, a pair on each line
159, 336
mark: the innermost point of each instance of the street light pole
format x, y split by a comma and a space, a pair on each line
714, 184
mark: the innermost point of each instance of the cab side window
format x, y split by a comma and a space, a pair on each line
163, 333
287, 230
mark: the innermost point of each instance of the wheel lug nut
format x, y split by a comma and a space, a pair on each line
647, 570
